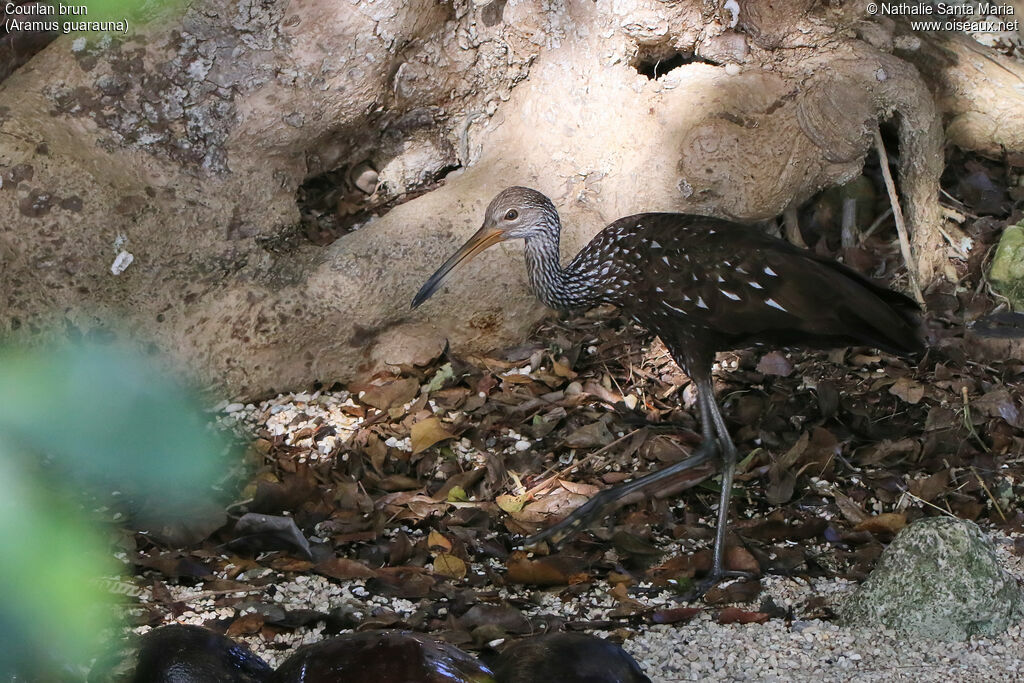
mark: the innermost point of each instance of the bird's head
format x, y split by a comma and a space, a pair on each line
515, 213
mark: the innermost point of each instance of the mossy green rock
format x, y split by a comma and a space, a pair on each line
939, 578
1007, 271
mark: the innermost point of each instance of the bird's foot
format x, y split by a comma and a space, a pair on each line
599, 505
714, 578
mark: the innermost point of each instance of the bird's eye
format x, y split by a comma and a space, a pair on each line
511, 215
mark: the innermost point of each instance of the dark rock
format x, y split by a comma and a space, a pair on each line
381, 657
567, 658
190, 654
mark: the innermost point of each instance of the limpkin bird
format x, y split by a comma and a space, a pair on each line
702, 285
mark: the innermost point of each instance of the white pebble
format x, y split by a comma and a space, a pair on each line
121, 262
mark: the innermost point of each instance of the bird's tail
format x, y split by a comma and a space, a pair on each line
889, 320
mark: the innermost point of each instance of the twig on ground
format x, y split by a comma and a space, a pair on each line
968, 423
874, 226
984, 486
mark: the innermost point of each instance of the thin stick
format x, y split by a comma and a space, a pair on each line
908, 494
990, 496
874, 226
897, 214
849, 224
969, 421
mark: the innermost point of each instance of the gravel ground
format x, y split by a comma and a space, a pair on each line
820, 650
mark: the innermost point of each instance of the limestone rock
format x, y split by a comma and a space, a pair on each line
1007, 272
939, 578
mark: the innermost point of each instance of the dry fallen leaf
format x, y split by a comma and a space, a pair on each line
850, 509
562, 370
591, 435
516, 378
436, 540
775, 363
735, 615
620, 592
391, 394
511, 504
738, 558
344, 569
426, 433
999, 403
559, 502
606, 395
555, 570
781, 484
245, 625
674, 615
578, 488
887, 522
457, 494
450, 566
907, 389
928, 488
739, 591
874, 454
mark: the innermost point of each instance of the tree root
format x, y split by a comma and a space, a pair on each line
189, 155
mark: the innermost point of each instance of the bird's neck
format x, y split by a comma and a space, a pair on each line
557, 287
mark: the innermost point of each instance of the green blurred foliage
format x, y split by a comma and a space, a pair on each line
77, 425
50, 562
107, 418
135, 12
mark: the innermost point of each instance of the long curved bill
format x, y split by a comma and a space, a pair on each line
482, 239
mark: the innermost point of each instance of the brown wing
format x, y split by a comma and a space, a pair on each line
743, 286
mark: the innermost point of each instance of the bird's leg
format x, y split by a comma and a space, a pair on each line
714, 426
707, 411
